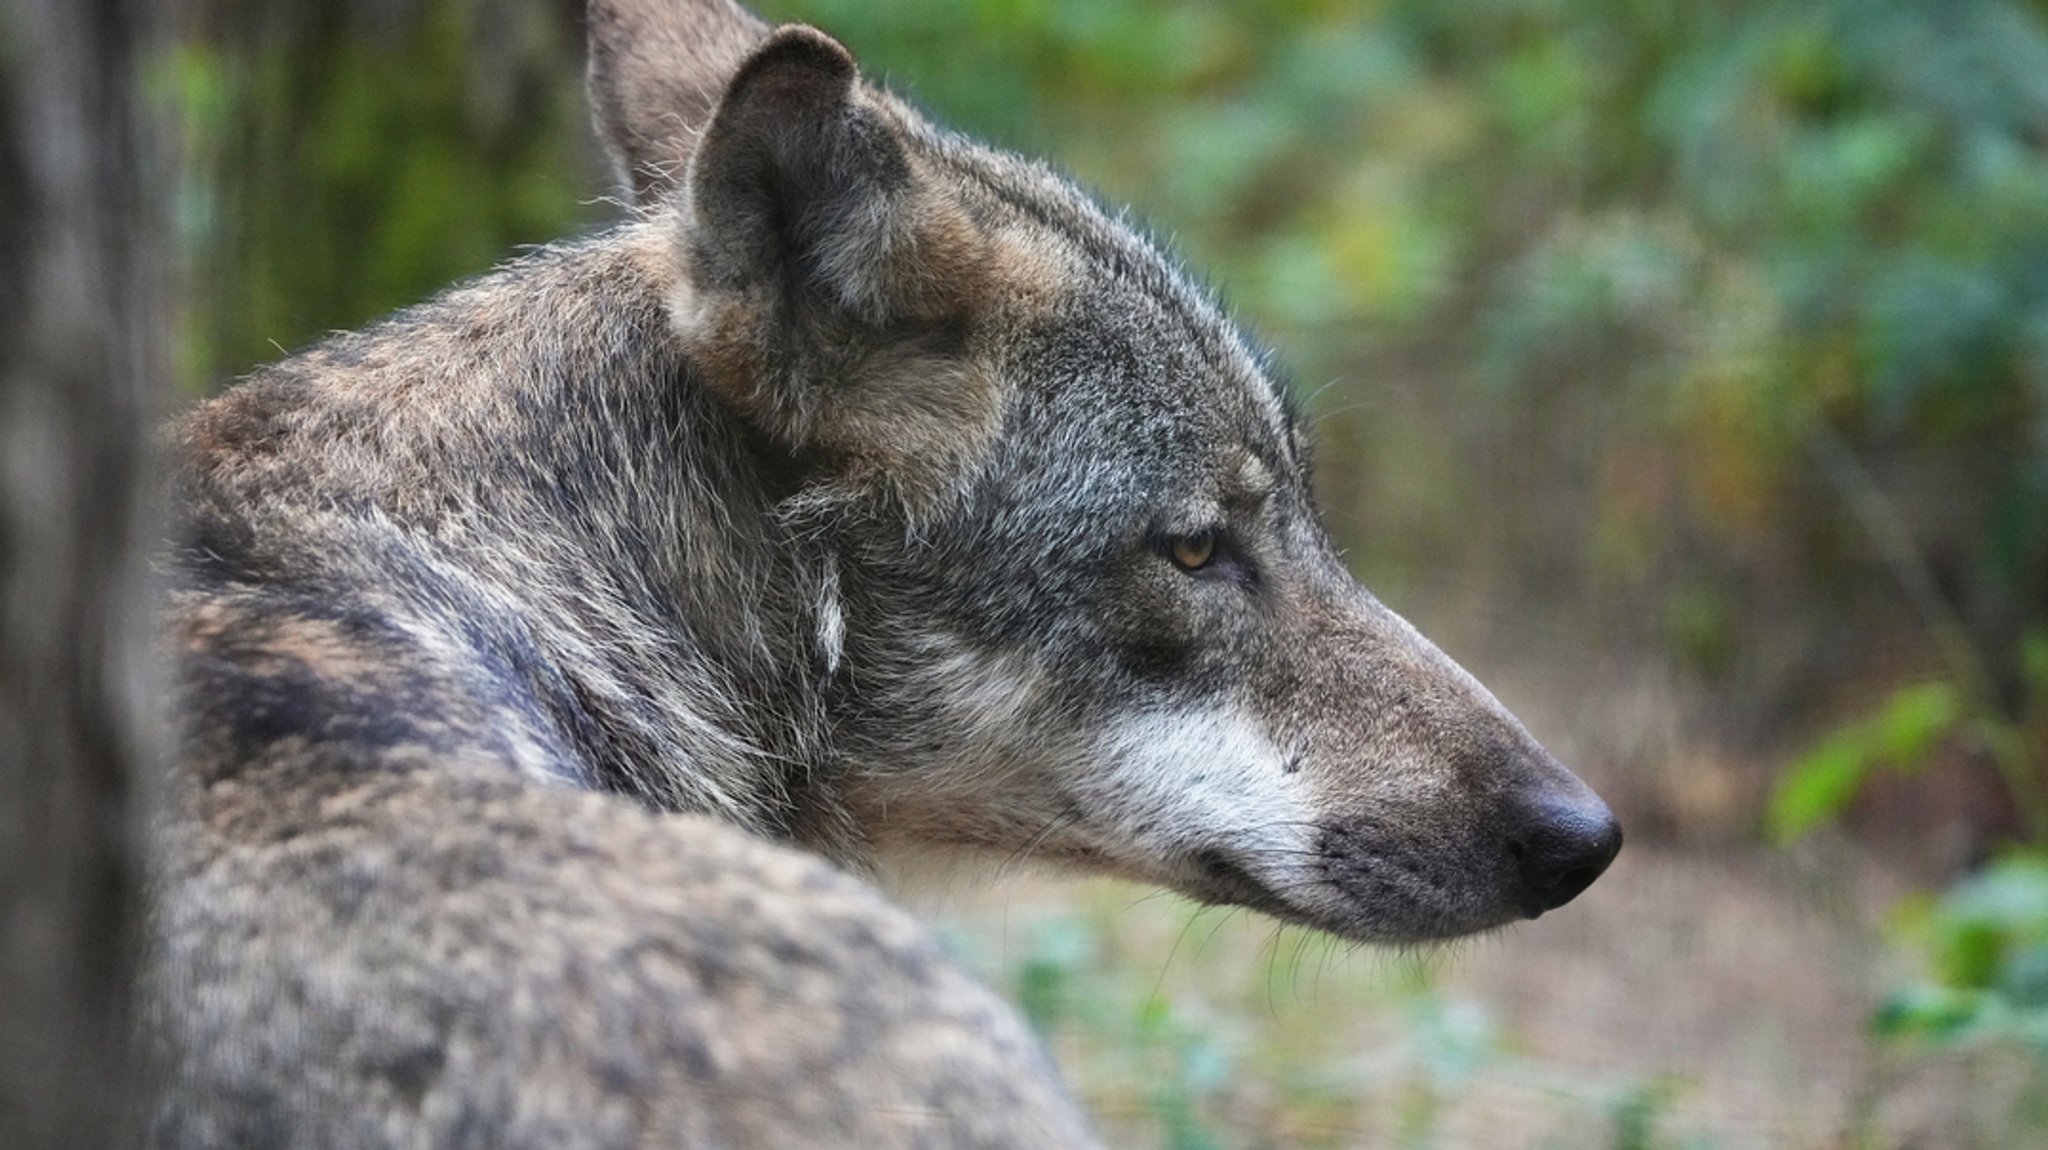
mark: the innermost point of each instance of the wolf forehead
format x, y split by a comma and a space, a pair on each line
1123, 331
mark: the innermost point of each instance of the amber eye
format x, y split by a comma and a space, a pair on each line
1192, 552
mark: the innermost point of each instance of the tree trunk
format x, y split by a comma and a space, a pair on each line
82, 374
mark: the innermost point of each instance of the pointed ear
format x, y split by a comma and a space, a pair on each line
836, 277
657, 69
802, 180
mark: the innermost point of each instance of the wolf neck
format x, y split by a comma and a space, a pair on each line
654, 571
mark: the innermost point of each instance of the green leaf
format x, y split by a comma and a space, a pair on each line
1818, 786
1901, 735
1934, 1013
2034, 663
2010, 895
2023, 979
1914, 721
1969, 953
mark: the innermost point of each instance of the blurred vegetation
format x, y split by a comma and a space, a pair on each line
1705, 338
345, 159
1192, 1029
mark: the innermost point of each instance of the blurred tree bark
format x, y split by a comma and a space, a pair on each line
82, 370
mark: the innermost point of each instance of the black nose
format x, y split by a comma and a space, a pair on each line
1561, 848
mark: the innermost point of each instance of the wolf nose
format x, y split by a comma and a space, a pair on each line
1562, 848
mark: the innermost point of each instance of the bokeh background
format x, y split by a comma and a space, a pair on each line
1681, 367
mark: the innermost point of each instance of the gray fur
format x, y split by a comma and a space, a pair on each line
830, 503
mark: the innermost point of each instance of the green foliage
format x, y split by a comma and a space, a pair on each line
1062, 985
1640, 1112
1983, 943
1060, 950
1189, 1030
340, 167
1914, 724
1985, 946
1902, 734
1982, 989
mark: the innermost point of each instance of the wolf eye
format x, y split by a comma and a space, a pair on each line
1192, 552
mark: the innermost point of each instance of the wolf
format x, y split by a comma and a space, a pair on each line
561, 660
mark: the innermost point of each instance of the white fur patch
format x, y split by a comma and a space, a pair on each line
1171, 782
831, 618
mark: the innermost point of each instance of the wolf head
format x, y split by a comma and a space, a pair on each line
1072, 598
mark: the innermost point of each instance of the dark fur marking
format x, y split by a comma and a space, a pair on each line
256, 709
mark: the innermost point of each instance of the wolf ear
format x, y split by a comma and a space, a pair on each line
834, 278
657, 68
803, 183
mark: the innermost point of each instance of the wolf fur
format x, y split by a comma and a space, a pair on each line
550, 651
